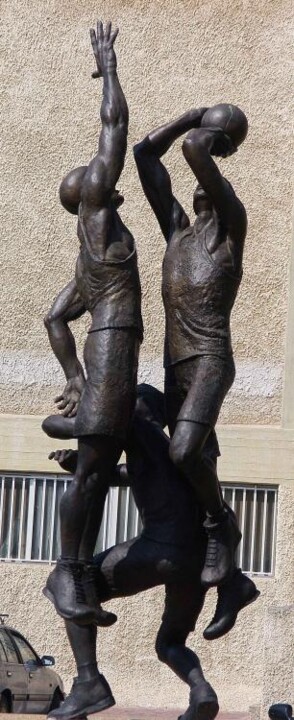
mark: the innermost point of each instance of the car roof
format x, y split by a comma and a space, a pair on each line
8, 627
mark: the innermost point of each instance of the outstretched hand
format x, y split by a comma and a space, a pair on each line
67, 459
196, 115
102, 43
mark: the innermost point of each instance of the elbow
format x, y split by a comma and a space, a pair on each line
190, 146
137, 151
141, 149
51, 321
48, 321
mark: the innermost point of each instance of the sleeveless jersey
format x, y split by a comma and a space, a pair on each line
110, 289
166, 501
198, 296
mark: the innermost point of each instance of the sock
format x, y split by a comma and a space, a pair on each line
88, 671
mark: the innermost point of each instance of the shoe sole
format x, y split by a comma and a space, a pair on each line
89, 710
66, 616
206, 710
230, 626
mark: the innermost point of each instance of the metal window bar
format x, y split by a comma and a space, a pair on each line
29, 520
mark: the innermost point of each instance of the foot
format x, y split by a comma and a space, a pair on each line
71, 589
85, 697
203, 704
223, 538
280, 711
234, 595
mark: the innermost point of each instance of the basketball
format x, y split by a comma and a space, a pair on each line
228, 117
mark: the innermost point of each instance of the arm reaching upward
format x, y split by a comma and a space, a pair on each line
154, 176
198, 147
104, 170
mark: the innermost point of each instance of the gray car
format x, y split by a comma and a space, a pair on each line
27, 683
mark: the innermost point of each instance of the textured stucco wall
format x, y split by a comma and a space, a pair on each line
172, 55
240, 666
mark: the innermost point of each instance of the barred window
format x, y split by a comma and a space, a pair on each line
30, 530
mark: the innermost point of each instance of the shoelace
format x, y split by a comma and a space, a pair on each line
77, 573
211, 552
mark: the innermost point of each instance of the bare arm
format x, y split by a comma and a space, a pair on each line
104, 170
197, 149
68, 459
67, 306
154, 176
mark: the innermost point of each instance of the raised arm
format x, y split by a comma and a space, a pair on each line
104, 170
198, 147
67, 306
154, 176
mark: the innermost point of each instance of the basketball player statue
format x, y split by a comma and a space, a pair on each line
169, 551
202, 270
97, 410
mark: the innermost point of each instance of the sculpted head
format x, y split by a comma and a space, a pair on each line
70, 191
71, 188
150, 404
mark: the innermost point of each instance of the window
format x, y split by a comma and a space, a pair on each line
10, 650
25, 650
29, 520
3, 656
256, 510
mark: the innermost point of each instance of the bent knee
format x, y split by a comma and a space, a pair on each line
161, 649
182, 453
48, 425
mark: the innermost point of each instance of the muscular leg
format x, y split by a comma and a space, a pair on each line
70, 586
90, 692
186, 452
125, 569
183, 605
223, 533
83, 644
57, 426
97, 455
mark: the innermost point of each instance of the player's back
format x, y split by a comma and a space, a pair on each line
165, 500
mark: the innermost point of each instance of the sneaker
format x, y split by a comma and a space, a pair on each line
223, 539
103, 618
203, 703
280, 711
234, 595
86, 697
70, 587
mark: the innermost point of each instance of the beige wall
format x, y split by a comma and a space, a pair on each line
172, 55
238, 666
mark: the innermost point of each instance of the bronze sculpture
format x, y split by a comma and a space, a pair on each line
98, 410
202, 270
170, 551
201, 275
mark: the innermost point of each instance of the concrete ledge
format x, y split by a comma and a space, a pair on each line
138, 714
250, 453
